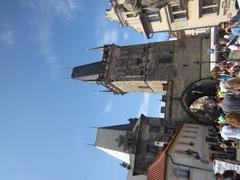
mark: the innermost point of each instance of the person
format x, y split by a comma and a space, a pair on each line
233, 119
233, 85
230, 133
234, 24
230, 103
231, 41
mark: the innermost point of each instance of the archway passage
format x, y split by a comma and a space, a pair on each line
203, 90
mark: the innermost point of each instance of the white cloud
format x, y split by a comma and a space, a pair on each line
126, 35
105, 33
108, 106
109, 36
6, 37
144, 106
44, 14
65, 8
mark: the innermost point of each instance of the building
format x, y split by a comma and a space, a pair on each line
179, 69
188, 155
145, 67
136, 68
150, 16
136, 143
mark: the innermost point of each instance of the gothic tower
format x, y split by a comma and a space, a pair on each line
148, 67
136, 143
136, 68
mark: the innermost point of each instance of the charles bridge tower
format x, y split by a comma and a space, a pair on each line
179, 69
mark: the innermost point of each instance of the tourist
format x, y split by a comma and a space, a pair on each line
230, 133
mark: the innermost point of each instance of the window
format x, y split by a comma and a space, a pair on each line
189, 131
191, 137
139, 61
153, 16
186, 143
143, 87
129, 15
208, 7
164, 60
180, 172
177, 13
181, 151
192, 127
154, 128
211, 139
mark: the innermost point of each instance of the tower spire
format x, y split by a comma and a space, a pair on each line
101, 48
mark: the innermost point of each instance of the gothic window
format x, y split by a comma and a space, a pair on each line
153, 16
154, 128
177, 13
131, 141
208, 6
164, 60
138, 61
180, 172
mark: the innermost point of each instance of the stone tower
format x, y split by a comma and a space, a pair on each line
136, 68
136, 143
179, 69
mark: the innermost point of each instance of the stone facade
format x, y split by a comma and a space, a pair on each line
135, 143
188, 155
149, 16
149, 67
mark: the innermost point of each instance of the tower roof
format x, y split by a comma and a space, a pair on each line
88, 72
112, 139
121, 127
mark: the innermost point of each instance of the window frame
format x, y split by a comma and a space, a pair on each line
172, 12
204, 7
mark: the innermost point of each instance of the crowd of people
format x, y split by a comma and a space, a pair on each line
227, 99
227, 71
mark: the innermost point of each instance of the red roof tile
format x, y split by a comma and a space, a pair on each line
158, 169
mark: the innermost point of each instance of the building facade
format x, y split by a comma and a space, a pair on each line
178, 69
136, 143
149, 16
188, 156
146, 67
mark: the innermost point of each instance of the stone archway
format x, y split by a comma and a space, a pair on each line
198, 89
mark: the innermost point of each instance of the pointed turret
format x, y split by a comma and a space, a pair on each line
114, 140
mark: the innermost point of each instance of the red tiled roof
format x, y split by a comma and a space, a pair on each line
157, 170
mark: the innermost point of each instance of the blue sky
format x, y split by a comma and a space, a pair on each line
45, 120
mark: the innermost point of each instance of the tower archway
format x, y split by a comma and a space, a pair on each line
200, 91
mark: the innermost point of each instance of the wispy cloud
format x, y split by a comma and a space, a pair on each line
105, 33
44, 15
108, 106
6, 34
126, 35
144, 106
7, 38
